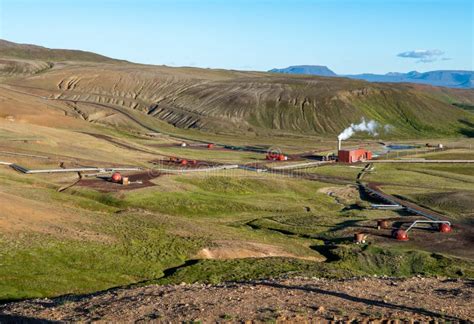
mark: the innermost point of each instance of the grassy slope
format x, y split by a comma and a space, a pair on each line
446, 188
352, 261
139, 244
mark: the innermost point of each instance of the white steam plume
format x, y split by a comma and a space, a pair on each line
388, 128
369, 127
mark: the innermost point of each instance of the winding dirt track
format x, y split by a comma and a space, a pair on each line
428, 213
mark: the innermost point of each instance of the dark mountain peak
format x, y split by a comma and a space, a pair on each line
440, 78
394, 74
320, 70
412, 73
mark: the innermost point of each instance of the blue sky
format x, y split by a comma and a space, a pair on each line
374, 36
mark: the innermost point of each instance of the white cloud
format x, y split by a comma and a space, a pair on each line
423, 56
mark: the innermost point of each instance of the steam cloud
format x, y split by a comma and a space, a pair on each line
369, 127
388, 128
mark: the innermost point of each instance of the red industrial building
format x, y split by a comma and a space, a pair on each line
351, 156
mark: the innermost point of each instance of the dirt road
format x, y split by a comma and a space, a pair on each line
295, 300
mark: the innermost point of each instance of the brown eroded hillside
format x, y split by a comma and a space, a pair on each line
34, 52
255, 102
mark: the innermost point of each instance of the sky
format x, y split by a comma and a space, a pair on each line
348, 36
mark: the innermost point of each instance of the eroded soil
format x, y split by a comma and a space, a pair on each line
295, 300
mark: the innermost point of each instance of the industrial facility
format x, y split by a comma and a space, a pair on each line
353, 155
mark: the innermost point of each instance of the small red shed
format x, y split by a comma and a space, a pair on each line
351, 156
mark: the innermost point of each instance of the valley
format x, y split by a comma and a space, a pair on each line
230, 216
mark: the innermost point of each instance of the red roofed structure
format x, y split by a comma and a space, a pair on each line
352, 156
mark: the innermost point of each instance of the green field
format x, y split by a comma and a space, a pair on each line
251, 225
142, 235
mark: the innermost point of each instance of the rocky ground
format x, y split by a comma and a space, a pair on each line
363, 299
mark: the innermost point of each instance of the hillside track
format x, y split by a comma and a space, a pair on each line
374, 188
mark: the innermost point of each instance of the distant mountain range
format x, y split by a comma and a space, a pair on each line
442, 78
306, 69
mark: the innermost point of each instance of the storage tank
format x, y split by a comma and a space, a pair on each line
116, 177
